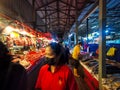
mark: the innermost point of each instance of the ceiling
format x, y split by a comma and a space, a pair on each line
59, 15
112, 20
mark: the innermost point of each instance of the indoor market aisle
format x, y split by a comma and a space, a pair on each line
81, 84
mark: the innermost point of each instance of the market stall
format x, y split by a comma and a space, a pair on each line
90, 63
26, 45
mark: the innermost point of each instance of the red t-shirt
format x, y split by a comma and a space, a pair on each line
61, 79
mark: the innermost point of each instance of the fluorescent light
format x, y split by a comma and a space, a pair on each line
106, 31
23, 32
8, 30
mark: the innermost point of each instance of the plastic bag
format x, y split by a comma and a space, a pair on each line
111, 51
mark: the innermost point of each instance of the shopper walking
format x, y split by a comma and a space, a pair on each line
76, 56
55, 75
12, 75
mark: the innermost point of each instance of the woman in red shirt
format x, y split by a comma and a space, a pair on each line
55, 75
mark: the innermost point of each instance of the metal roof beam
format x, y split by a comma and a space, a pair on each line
67, 4
49, 14
54, 24
56, 9
57, 21
94, 7
44, 5
67, 14
58, 14
68, 22
59, 17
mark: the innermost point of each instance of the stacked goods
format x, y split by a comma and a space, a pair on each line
33, 56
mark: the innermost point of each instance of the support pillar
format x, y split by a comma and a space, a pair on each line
102, 41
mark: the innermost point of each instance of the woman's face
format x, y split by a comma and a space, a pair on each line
49, 52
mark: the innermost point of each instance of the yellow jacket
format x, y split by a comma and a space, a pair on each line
76, 52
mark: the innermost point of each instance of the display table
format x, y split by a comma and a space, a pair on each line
90, 79
112, 82
32, 62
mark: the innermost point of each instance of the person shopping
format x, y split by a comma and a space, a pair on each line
75, 57
55, 75
13, 76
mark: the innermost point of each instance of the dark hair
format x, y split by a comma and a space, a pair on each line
60, 53
80, 43
4, 53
